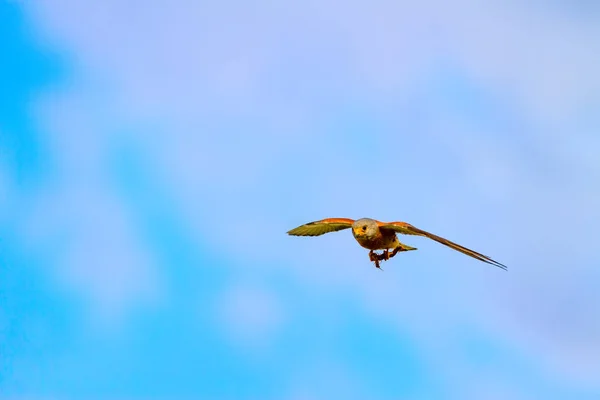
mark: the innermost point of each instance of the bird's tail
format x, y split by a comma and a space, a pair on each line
405, 247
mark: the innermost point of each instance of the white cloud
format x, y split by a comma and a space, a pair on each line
78, 220
168, 57
5, 192
250, 315
237, 94
328, 379
96, 251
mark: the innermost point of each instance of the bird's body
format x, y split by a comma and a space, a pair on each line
381, 241
373, 238
376, 235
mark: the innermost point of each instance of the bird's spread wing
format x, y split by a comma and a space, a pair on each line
317, 228
408, 229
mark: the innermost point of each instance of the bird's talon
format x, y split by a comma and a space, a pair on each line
372, 256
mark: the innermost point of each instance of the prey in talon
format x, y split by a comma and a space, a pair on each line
376, 235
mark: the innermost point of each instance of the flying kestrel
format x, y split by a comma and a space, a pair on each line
376, 235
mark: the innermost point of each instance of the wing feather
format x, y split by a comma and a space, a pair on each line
321, 227
408, 229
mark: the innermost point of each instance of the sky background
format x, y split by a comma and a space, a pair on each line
154, 153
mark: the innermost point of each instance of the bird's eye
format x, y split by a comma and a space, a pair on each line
364, 228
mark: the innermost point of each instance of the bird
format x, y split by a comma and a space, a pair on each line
376, 235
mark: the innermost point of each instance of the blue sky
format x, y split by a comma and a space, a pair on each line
153, 155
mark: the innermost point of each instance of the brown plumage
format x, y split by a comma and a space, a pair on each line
377, 235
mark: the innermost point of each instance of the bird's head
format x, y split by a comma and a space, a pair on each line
365, 227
